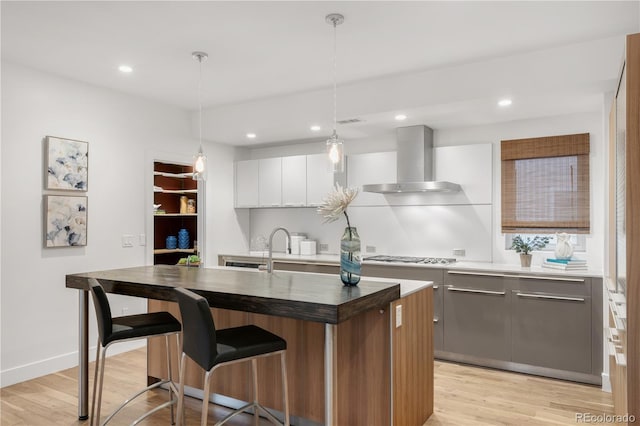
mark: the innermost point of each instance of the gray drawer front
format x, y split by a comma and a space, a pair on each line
477, 324
475, 280
561, 285
553, 331
406, 272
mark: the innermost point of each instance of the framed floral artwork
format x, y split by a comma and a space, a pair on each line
65, 218
67, 164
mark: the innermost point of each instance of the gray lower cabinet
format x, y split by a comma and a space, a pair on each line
534, 323
551, 323
421, 274
477, 315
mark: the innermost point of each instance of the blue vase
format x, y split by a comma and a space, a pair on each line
183, 239
172, 242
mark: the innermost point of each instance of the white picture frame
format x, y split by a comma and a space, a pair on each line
65, 220
67, 164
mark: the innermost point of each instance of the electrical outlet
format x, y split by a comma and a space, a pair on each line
459, 252
142, 240
398, 316
370, 249
127, 240
323, 247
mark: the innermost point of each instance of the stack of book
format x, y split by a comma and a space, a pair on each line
565, 264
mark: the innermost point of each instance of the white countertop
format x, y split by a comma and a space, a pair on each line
334, 259
407, 287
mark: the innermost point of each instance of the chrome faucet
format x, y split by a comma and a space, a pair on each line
269, 266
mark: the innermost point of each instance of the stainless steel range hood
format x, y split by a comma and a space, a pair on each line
415, 164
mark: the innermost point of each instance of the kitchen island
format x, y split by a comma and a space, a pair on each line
340, 339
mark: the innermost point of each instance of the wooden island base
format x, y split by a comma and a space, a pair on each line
382, 375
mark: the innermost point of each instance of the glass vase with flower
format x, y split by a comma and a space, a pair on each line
334, 206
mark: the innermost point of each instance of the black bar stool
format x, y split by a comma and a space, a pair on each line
211, 348
119, 329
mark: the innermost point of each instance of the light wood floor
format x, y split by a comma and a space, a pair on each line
463, 396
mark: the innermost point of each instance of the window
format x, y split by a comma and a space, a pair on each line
545, 185
578, 241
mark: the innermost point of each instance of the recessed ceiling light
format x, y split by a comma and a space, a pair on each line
125, 68
251, 135
504, 102
400, 117
315, 128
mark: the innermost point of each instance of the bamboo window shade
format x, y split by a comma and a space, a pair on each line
545, 184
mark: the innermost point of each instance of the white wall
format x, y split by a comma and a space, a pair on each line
382, 224
39, 315
578, 123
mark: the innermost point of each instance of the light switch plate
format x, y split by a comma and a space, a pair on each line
127, 240
459, 252
370, 249
324, 247
398, 316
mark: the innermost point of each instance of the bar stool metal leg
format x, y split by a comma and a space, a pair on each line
285, 387
254, 374
181, 410
95, 383
103, 353
169, 376
205, 397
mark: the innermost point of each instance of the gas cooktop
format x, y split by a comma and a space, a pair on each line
411, 259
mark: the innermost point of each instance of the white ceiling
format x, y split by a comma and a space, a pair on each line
270, 63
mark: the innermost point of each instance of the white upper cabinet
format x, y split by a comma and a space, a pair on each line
270, 182
294, 178
319, 179
247, 183
305, 180
376, 167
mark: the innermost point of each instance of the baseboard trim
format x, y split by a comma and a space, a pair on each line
606, 383
21, 373
520, 368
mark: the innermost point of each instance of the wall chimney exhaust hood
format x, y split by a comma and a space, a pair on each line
415, 164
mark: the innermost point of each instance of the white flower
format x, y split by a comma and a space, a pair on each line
336, 203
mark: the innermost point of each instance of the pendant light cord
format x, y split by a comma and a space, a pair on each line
200, 102
335, 78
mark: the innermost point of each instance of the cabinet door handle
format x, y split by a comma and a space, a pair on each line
539, 277
483, 274
435, 320
435, 287
470, 290
540, 296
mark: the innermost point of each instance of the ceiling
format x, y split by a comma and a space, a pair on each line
270, 67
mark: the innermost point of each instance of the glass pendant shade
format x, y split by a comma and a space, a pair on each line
335, 153
200, 166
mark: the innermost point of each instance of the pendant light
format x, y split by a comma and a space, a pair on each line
335, 150
200, 160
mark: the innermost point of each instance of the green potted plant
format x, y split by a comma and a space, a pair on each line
526, 246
